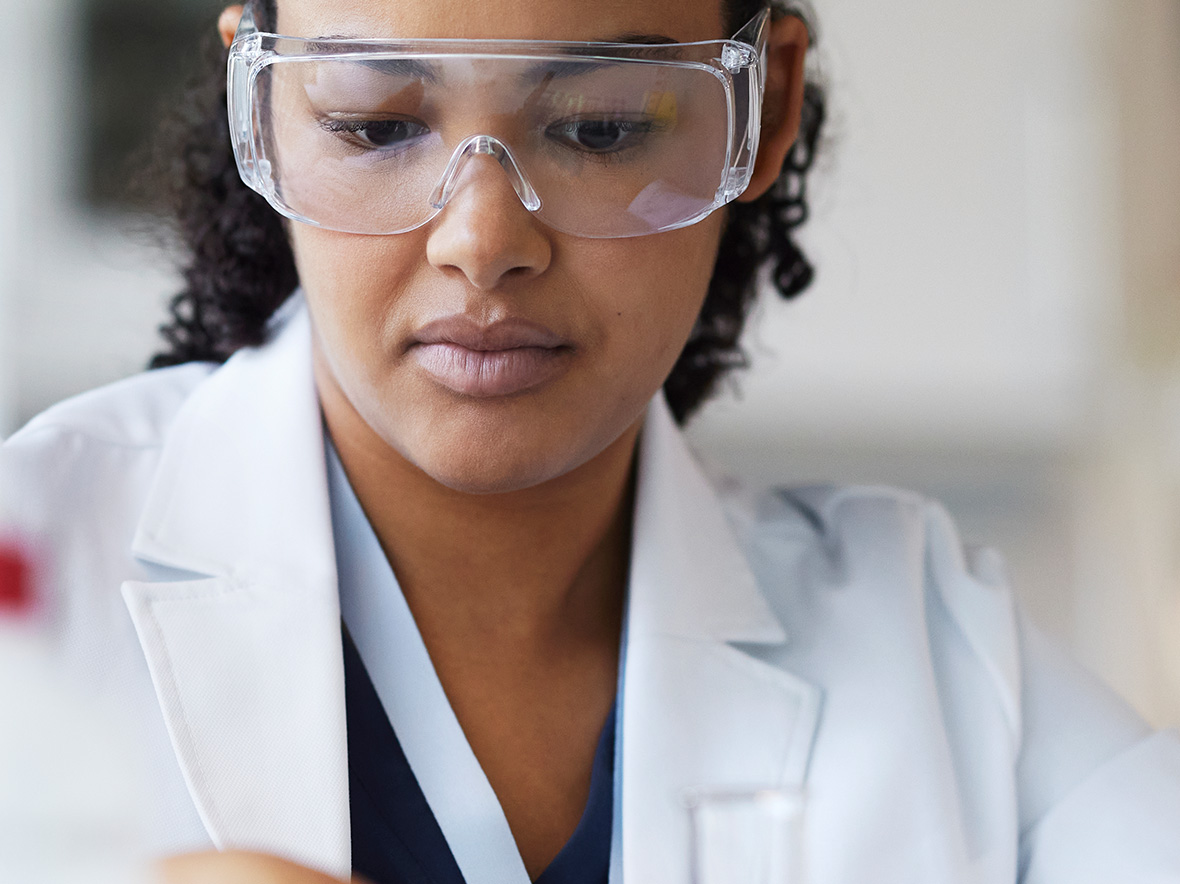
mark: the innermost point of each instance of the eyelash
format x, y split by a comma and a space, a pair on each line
630, 128
345, 128
349, 131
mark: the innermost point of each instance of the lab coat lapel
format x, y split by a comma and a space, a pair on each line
697, 710
244, 649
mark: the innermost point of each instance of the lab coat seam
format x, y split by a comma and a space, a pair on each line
194, 772
804, 694
999, 657
796, 764
1001, 690
196, 596
67, 433
771, 525
843, 495
168, 556
1028, 830
704, 640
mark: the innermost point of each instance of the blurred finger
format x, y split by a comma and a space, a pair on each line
237, 867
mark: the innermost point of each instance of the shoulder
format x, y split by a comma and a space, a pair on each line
74, 482
876, 586
889, 540
886, 571
844, 513
88, 446
134, 412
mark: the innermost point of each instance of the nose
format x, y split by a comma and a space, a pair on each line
484, 230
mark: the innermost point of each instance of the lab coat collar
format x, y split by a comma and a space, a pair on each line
247, 437
243, 643
697, 709
694, 579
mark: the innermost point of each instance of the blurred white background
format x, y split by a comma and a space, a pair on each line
996, 320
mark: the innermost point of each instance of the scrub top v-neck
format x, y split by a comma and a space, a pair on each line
421, 807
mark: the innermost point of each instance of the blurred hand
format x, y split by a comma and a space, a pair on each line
237, 867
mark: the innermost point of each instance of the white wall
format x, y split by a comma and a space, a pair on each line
966, 232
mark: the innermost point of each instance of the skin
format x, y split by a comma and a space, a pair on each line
237, 867
507, 518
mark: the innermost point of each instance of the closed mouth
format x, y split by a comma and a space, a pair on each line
501, 359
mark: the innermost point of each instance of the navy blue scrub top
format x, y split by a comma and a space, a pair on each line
395, 837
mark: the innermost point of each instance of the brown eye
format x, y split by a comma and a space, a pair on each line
378, 134
599, 135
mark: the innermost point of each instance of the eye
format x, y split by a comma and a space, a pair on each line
599, 135
377, 134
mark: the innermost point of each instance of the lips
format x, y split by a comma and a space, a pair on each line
506, 357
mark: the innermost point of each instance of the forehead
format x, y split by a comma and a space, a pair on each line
681, 20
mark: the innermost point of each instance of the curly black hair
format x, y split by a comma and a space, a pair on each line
238, 268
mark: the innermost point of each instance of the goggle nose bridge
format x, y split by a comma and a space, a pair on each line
483, 145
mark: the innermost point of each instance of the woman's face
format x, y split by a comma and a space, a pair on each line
488, 350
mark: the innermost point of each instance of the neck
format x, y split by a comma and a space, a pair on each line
533, 568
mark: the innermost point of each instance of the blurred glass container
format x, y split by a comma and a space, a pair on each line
746, 836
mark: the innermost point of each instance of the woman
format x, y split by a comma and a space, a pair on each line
452, 438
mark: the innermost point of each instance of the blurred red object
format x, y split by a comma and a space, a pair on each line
16, 594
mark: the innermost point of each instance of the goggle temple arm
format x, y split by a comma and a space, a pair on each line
754, 34
248, 24
240, 74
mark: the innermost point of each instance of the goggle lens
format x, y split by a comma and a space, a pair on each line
601, 144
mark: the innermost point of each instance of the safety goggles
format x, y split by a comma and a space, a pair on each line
598, 140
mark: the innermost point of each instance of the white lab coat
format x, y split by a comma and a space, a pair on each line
837, 639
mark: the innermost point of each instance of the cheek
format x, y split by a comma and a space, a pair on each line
354, 286
332, 264
658, 298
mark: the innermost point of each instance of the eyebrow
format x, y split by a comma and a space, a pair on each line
395, 67
645, 39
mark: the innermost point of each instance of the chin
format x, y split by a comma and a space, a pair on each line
486, 473
482, 447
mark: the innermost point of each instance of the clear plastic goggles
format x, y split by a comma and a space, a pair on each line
597, 139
